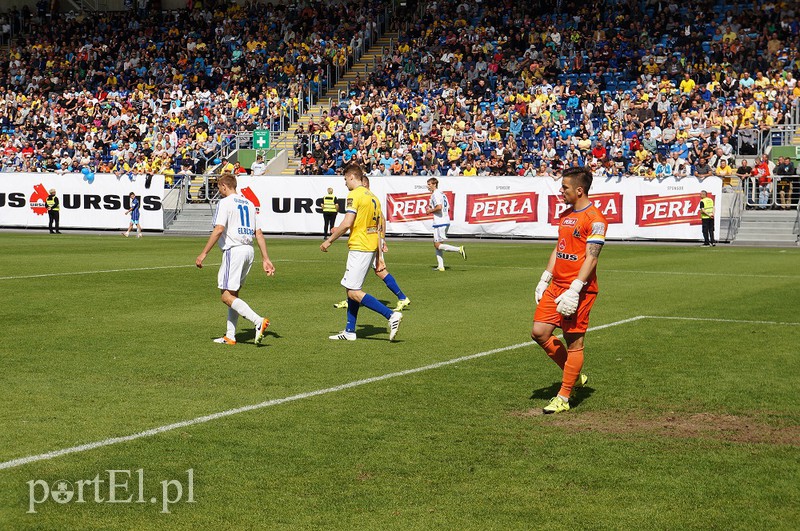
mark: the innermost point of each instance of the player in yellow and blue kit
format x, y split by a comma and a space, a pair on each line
363, 220
380, 267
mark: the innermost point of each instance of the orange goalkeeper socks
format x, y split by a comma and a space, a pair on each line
572, 370
556, 350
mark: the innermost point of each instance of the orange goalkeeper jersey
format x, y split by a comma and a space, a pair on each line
576, 228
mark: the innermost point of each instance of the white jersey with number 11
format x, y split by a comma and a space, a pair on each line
238, 216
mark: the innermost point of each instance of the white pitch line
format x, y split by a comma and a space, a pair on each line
468, 266
740, 321
67, 274
269, 403
698, 274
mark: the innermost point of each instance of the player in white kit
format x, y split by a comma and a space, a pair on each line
440, 208
235, 227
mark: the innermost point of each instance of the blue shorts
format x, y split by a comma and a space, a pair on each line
135, 218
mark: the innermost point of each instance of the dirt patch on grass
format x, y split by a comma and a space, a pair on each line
715, 426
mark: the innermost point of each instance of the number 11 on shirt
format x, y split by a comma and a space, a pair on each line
244, 216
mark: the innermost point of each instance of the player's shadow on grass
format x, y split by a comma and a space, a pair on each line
250, 336
370, 332
578, 395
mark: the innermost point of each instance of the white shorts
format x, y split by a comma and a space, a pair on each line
440, 233
235, 266
358, 264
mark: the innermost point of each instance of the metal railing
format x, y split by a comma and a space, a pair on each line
796, 228
207, 191
189, 188
782, 135
735, 213
174, 200
777, 192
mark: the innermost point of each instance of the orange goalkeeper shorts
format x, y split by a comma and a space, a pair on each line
576, 323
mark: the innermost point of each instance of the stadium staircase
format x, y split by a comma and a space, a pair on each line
362, 67
767, 228
193, 219
196, 185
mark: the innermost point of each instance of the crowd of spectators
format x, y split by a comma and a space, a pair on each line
643, 88
650, 88
161, 92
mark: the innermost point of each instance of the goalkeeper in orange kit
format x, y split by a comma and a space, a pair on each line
568, 287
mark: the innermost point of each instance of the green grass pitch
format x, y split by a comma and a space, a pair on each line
685, 423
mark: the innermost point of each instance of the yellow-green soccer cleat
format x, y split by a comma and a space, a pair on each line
556, 405
462, 252
342, 304
261, 331
402, 304
581, 381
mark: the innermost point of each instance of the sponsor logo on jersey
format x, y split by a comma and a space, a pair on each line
412, 207
656, 210
520, 207
609, 204
566, 256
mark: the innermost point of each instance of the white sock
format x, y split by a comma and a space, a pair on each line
233, 318
245, 311
448, 248
439, 258
564, 398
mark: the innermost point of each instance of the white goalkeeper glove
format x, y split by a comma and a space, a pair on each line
567, 302
547, 276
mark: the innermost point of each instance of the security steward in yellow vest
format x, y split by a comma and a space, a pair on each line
329, 211
53, 207
706, 209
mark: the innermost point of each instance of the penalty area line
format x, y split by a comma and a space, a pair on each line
274, 402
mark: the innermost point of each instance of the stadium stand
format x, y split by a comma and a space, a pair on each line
617, 88
167, 91
628, 87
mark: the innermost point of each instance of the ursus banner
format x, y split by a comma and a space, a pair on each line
99, 204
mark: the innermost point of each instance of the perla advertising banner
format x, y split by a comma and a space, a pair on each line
495, 206
100, 204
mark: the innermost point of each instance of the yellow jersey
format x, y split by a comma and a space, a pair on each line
365, 233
